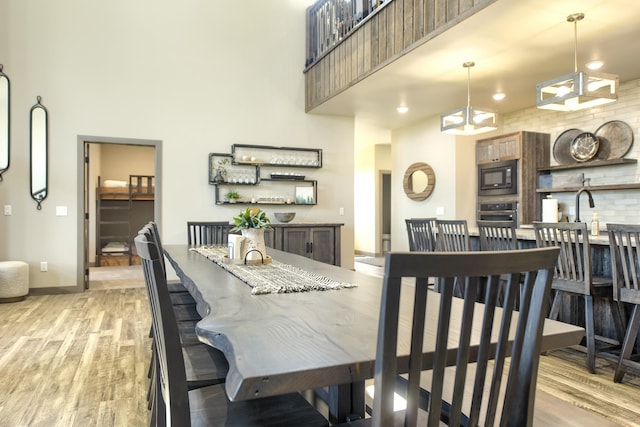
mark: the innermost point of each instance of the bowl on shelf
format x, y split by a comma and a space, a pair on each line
284, 216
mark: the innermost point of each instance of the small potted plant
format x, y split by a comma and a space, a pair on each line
232, 196
252, 222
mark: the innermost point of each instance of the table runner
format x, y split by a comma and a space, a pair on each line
272, 278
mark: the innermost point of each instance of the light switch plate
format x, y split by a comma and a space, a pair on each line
440, 210
61, 211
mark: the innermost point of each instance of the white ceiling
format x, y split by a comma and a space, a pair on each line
515, 45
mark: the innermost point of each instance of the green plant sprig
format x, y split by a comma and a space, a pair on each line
251, 218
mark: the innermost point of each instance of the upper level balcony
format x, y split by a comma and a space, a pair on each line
348, 40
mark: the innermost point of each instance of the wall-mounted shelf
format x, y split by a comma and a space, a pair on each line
593, 164
590, 187
264, 155
242, 174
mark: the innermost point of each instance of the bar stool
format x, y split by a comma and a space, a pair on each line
574, 276
624, 243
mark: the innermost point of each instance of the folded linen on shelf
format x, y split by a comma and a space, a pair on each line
272, 278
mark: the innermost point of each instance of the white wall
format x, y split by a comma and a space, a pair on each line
198, 76
452, 159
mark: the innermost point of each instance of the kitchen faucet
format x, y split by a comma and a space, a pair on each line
591, 204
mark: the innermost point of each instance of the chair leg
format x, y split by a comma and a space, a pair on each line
555, 306
590, 335
616, 313
629, 341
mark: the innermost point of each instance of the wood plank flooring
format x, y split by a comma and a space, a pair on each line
81, 360
75, 360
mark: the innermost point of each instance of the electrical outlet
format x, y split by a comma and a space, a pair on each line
7, 209
44, 266
341, 211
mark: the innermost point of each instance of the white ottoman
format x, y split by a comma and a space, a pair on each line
14, 281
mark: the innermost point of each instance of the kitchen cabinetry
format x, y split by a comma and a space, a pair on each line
532, 151
505, 147
320, 242
256, 173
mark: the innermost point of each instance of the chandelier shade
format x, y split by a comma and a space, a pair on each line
468, 120
577, 90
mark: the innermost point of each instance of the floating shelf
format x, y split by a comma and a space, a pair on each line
593, 164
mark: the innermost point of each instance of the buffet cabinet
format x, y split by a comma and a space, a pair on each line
320, 242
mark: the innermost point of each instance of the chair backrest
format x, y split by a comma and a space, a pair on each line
497, 235
207, 232
453, 331
172, 382
573, 269
421, 234
624, 244
453, 236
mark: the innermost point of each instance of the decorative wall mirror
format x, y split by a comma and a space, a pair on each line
4, 122
39, 153
419, 181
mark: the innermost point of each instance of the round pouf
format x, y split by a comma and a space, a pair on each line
14, 281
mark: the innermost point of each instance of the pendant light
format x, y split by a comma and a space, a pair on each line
579, 89
468, 120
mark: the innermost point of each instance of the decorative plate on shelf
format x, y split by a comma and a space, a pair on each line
561, 147
616, 138
584, 147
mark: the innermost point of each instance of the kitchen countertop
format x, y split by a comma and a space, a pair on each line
525, 232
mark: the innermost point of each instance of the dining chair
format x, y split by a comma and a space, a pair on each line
421, 234
175, 403
574, 276
497, 235
453, 236
624, 244
489, 382
204, 365
207, 232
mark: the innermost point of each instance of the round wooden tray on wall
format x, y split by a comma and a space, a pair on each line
419, 181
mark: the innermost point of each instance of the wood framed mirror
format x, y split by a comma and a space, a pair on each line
5, 115
39, 147
419, 181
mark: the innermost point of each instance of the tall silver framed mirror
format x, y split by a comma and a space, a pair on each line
39, 147
5, 116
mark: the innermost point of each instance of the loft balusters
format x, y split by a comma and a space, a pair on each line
347, 40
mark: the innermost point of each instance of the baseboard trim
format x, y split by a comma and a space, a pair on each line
55, 290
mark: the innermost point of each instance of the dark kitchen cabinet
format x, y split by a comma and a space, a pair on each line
320, 242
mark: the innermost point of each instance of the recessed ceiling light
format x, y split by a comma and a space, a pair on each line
402, 109
594, 65
498, 96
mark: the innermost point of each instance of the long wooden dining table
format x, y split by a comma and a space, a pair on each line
287, 342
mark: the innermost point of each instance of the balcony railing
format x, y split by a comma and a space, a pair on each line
349, 40
330, 21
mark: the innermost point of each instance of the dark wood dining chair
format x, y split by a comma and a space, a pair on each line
473, 390
624, 244
204, 365
453, 236
574, 277
497, 235
207, 232
421, 234
206, 406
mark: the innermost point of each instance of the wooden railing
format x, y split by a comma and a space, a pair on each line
348, 40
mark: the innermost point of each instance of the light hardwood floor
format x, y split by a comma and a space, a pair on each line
81, 360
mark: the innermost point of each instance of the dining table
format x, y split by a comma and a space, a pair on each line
323, 340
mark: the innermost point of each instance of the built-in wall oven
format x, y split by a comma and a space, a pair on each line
498, 178
498, 211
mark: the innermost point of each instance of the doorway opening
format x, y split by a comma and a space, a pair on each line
385, 211
121, 192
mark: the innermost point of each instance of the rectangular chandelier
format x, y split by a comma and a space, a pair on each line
576, 91
468, 121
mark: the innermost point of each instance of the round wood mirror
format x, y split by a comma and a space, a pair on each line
419, 181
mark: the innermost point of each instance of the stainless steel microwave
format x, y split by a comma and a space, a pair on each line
498, 178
